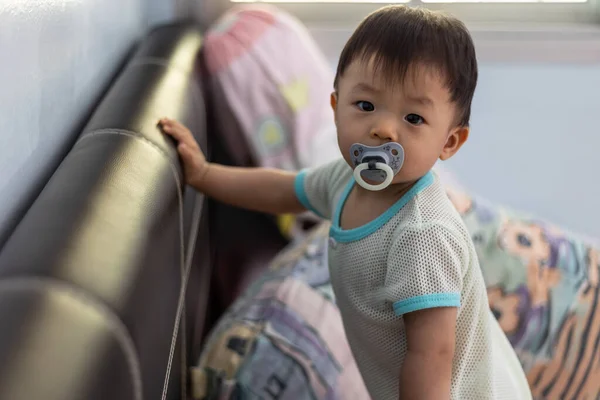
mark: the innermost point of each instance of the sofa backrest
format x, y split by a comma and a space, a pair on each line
90, 279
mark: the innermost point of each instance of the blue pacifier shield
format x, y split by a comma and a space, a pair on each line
391, 154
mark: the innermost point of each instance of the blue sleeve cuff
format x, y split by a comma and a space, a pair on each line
433, 300
301, 192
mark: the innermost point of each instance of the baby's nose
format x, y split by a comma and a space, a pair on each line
382, 135
386, 132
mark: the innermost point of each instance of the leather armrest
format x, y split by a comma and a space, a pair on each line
90, 278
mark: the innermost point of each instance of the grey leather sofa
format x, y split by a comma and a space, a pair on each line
91, 279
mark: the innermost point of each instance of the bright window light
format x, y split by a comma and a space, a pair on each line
320, 1
408, 1
504, 1
347, 13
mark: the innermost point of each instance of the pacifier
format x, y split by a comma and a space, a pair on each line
376, 163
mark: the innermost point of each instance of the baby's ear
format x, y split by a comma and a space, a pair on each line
457, 137
333, 101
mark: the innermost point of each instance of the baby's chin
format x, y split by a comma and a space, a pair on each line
406, 178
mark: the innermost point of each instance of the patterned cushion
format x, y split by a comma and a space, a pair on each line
268, 76
283, 339
543, 287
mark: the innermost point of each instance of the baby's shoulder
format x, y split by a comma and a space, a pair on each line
430, 232
430, 236
433, 211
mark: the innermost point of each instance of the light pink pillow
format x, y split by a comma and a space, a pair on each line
270, 85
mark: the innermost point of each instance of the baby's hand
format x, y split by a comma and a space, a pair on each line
195, 165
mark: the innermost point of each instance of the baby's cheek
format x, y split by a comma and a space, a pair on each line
348, 160
407, 175
344, 143
414, 167
345, 150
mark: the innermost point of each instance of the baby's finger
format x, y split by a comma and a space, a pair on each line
166, 122
179, 133
178, 124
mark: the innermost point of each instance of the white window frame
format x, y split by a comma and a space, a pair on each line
344, 13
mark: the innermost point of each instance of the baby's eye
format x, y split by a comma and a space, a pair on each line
414, 119
365, 106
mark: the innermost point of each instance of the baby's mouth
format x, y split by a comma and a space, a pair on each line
376, 164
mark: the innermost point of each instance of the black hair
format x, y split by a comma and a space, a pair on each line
397, 37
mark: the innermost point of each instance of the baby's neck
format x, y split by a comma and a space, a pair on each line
391, 193
363, 206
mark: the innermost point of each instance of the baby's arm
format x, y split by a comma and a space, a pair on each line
424, 283
259, 189
427, 369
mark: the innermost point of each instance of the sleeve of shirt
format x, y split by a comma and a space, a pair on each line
425, 269
314, 186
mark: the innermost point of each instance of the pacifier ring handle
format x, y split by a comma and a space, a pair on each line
384, 167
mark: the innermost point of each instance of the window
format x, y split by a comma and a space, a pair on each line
348, 12
408, 1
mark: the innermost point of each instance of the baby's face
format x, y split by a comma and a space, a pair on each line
417, 113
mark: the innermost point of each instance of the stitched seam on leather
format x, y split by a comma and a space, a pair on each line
184, 266
133, 134
117, 326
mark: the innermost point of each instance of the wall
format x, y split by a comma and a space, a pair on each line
58, 57
164, 11
534, 140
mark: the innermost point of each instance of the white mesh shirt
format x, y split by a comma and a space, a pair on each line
416, 255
